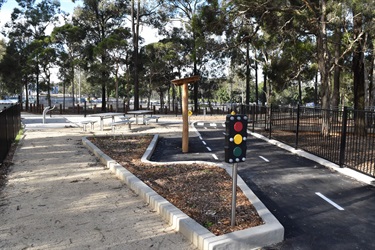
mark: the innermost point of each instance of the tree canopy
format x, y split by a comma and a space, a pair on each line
307, 50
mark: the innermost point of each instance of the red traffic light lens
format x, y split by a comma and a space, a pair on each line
238, 126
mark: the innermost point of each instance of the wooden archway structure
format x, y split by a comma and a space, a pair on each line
185, 101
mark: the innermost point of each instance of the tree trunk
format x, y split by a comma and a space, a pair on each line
135, 31
323, 65
371, 77
247, 75
195, 73
358, 76
72, 82
337, 68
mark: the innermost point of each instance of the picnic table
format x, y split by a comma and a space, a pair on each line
142, 113
103, 116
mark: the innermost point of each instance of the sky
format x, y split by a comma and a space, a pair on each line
148, 33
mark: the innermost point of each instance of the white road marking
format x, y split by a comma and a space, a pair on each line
223, 124
215, 157
200, 123
200, 137
209, 149
329, 201
263, 158
204, 143
205, 127
213, 124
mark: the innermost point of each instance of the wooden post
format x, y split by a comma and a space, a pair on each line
185, 108
185, 118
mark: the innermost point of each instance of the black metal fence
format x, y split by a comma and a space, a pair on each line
342, 141
10, 124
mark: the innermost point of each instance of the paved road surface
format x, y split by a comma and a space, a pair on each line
319, 208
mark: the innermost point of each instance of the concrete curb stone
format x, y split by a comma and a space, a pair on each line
252, 238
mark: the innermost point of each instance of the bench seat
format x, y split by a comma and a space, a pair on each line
119, 123
85, 122
148, 118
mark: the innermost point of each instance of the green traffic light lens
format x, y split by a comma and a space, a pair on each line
237, 151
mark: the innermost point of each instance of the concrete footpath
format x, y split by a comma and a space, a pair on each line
58, 196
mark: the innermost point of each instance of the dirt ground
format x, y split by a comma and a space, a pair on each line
58, 196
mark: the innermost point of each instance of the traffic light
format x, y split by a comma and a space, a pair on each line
235, 138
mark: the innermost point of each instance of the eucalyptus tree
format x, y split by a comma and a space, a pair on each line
47, 57
99, 19
117, 47
363, 24
16, 72
10, 69
28, 24
187, 12
159, 66
142, 13
68, 42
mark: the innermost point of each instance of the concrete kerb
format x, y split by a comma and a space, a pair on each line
269, 233
346, 171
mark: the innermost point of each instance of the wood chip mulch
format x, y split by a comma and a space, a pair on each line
202, 192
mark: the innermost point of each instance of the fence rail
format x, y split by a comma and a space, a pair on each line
10, 124
348, 139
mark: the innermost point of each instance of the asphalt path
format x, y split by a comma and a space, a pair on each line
318, 207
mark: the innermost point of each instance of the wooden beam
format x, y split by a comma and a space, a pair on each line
185, 108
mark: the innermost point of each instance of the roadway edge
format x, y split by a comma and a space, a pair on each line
269, 233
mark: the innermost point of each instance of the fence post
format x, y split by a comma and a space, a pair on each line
253, 116
297, 126
270, 121
84, 109
343, 136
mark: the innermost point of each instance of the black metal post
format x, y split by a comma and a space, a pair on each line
270, 121
84, 108
297, 126
343, 137
234, 194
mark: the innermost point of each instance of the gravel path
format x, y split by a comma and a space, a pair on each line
59, 197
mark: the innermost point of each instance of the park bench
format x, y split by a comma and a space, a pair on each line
85, 122
152, 117
124, 121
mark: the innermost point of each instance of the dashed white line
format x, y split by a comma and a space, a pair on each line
329, 201
200, 123
204, 143
213, 124
209, 149
263, 158
215, 157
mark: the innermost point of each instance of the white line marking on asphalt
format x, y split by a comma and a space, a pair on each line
223, 124
205, 127
263, 158
200, 123
215, 157
204, 143
329, 201
213, 124
209, 149
224, 133
200, 137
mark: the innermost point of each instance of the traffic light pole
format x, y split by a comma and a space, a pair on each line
234, 194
